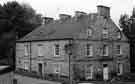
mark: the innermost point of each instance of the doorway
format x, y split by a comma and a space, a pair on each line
105, 72
40, 68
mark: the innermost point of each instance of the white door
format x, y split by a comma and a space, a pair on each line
105, 72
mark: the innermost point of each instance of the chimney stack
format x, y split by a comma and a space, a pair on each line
64, 16
47, 20
103, 11
80, 13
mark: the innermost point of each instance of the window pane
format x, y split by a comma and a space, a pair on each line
57, 68
118, 49
89, 32
57, 50
40, 50
105, 50
26, 50
120, 68
118, 35
105, 33
26, 65
89, 71
89, 50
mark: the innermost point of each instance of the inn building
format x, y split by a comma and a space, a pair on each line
83, 46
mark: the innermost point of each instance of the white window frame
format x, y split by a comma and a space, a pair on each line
118, 35
120, 50
120, 69
40, 49
105, 33
89, 32
26, 50
57, 68
89, 50
56, 52
89, 71
26, 65
106, 50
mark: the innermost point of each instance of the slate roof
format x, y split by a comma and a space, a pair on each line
56, 30
61, 29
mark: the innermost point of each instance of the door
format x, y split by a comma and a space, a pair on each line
40, 68
105, 72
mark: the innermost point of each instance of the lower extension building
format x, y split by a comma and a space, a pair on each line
85, 46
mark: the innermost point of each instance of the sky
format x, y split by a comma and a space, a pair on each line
52, 8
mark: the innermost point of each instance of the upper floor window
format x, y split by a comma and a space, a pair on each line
118, 49
118, 35
26, 49
105, 50
57, 68
89, 49
40, 50
89, 32
105, 33
89, 71
57, 50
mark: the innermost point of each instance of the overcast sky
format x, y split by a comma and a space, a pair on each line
53, 8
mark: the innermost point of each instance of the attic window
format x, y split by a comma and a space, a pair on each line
89, 32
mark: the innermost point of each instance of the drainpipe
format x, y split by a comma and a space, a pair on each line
70, 62
30, 56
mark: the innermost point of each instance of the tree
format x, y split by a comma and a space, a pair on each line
16, 20
128, 27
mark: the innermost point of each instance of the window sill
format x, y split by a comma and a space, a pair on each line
89, 56
56, 55
119, 55
26, 56
40, 56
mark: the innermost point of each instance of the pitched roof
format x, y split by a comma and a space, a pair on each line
57, 30
69, 28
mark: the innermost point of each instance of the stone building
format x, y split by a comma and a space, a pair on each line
89, 46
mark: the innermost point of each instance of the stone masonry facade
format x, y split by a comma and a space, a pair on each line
97, 47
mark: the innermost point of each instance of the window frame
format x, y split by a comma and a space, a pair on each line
89, 32
119, 35
39, 50
57, 68
89, 50
26, 49
89, 72
120, 50
106, 50
105, 33
120, 71
56, 50
26, 63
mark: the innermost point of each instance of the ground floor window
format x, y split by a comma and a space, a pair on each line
26, 65
120, 68
57, 68
89, 71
